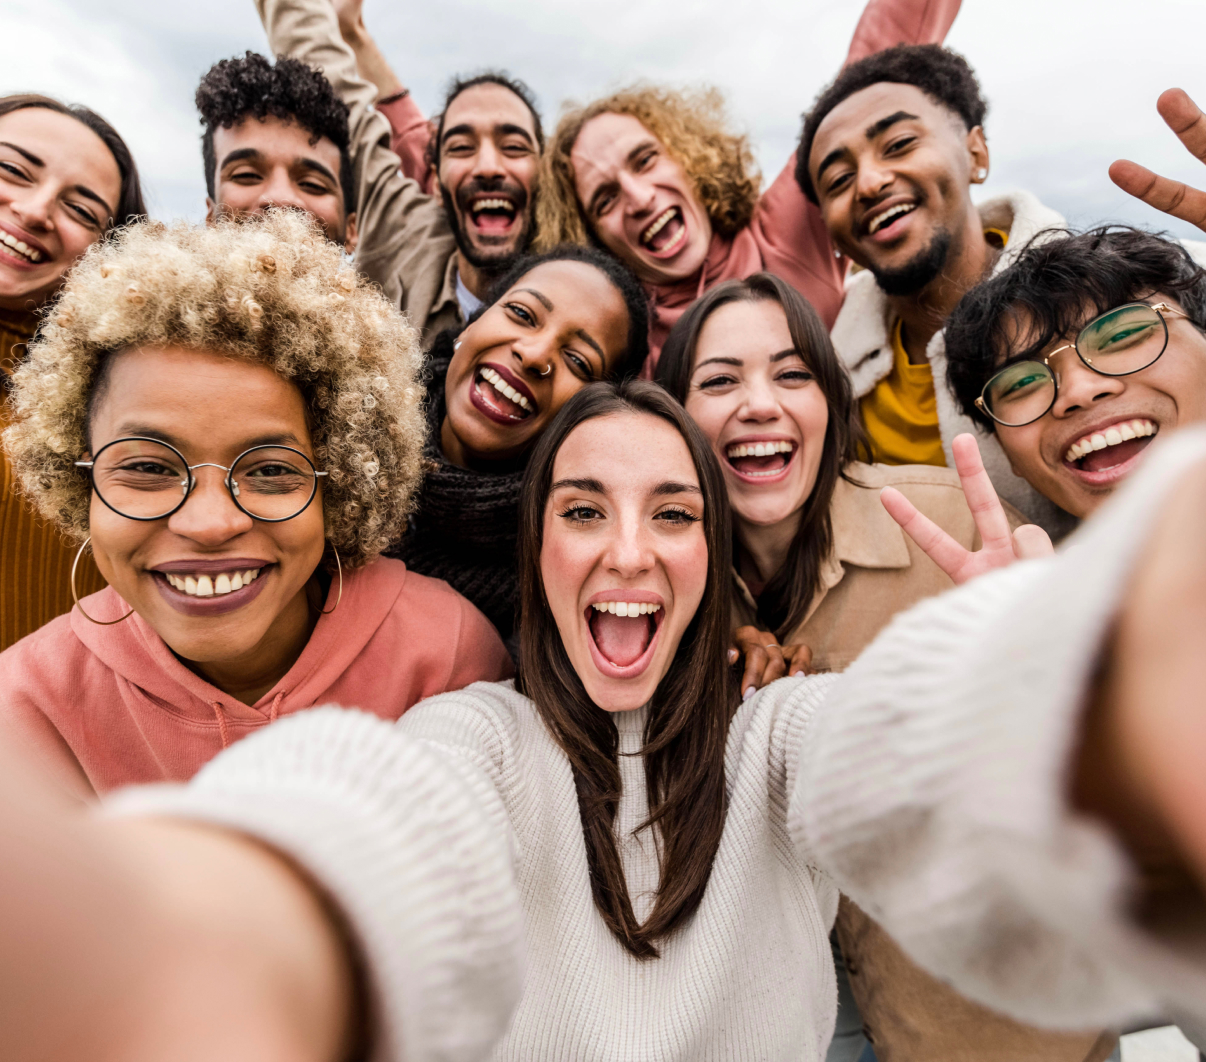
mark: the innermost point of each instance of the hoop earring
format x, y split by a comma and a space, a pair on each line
76, 597
339, 596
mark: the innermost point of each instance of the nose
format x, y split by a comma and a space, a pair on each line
488, 161
638, 193
1080, 387
629, 552
209, 516
759, 403
35, 210
280, 191
872, 179
535, 357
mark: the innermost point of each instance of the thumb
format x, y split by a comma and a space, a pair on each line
1031, 542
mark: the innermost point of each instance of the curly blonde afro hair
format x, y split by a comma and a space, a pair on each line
269, 290
693, 128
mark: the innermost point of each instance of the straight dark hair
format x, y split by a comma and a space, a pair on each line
689, 716
130, 204
784, 603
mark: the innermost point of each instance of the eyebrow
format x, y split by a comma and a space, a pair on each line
318, 167
276, 438
789, 352
594, 486
587, 338
871, 132
33, 160
239, 154
670, 487
542, 299
506, 129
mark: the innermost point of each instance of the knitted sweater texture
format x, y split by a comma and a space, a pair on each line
466, 525
927, 782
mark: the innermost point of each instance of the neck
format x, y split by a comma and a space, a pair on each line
923, 314
762, 549
249, 676
477, 279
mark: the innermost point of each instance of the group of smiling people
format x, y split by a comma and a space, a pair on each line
581, 528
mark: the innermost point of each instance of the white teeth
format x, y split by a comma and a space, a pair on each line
1111, 436
882, 219
505, 389
762, 449
658, 225
625, 608
493, 204
20, 247
205, 586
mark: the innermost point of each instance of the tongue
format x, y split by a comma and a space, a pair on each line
622, 639
1113, 455
493, 221
755, 465
501, 401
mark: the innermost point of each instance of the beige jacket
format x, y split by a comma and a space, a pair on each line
406, 245
874, 572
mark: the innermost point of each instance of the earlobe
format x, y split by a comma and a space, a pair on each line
211, 211
977, 147
352, 234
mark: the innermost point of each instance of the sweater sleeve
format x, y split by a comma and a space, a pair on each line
409, 848
410, 133
932, 786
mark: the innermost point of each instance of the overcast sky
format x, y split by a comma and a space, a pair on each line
1071, 84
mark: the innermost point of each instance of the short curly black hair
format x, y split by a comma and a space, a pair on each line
940, 73
1059, 282
233, 89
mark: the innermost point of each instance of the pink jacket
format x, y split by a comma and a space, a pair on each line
114, 705
786, 235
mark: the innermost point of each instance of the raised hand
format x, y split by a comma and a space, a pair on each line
1184, 118
1000, 546
350, 14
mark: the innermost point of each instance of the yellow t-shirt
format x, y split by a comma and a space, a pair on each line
900, 413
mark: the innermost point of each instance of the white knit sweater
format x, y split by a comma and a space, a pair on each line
926, 782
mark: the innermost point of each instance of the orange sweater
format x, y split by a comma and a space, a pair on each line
35, 559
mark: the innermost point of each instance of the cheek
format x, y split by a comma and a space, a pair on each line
564, 565
686, 563
710, 413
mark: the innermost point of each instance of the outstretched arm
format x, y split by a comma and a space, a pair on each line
1184, 118
369, 60
887, 23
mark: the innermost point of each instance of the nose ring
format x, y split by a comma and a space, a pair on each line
548, 368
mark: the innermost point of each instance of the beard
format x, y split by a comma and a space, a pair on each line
916, 273
490, 260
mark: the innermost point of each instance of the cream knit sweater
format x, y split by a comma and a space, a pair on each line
926, 782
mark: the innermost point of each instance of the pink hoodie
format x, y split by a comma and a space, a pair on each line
115, 704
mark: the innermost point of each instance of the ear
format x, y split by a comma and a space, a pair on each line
977, 151
211, 211
351, 233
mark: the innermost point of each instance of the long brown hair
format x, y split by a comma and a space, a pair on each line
130, 204
786, 599
685, 734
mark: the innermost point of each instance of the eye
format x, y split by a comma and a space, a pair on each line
900, 144
85, 215
838, 182
579, 365
676, 515
517, 148
581, 514
10, 169
795, 376
313, 188
716, 383
522, 312
244, 176
604, 203
645, 161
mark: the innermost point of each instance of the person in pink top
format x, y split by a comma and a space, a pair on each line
232, 419
655, 177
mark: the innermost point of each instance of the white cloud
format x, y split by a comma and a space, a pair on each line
1072, 85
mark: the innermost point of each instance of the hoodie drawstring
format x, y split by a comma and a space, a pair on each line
222, 728
276, 707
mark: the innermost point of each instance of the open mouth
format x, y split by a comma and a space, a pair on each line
763, 459
623, 634
666, 233
493, 214
884, 222
497, 393
20, 249
211, 589
1112, 447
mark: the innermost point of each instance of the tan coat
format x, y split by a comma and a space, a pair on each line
874, 572
406, 245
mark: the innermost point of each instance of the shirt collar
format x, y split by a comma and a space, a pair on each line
863, 532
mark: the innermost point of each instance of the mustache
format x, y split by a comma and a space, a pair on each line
476, 186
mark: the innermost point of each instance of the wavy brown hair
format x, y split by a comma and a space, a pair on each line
269, 290
784, 603
692, 127
689, 715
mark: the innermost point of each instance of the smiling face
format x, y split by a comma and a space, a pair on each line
271, 163
59, 188
624, 559
211, 409
638, 199
1060, 454
892, 170
761, 408
488, 158
559, 327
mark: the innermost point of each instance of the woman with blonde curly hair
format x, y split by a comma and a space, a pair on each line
231, 418
658, 179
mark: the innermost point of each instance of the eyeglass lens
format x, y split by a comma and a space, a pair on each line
147, 480
1117, 343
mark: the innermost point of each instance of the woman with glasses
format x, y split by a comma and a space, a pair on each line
230, 421
1080, 354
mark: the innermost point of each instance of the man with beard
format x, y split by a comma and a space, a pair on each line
890, 152
436, 256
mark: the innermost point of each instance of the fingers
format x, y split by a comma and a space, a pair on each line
1184, 118
799, 658
930, 538
981, 495
1172, 197
764, 661
1031, 542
